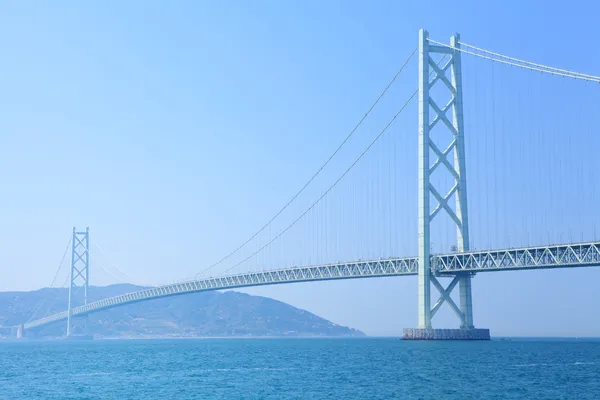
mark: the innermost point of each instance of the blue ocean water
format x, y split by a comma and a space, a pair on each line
300, 369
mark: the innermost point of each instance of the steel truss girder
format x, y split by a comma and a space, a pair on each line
348, 270
579, 254
541, 257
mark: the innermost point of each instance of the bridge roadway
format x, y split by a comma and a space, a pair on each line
555, 256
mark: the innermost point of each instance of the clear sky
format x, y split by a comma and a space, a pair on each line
175, 130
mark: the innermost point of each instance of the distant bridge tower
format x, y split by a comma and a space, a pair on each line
430, 74
80, 270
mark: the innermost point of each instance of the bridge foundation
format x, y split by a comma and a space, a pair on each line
445, 334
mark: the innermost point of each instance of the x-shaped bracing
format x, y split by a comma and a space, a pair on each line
442, 156
445, 297
78, 258
440, 74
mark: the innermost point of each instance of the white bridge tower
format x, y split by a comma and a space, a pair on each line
432, 73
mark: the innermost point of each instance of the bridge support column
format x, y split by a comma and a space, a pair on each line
466, 301
424, 285
432, 71
20, 332
462, 230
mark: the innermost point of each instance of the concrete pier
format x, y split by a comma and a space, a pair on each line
445, 334
20, 332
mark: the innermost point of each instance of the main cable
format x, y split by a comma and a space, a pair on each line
318, 171
61, 262
331, 187
544, 69
134, 280
53, 280
566, 71
56, 297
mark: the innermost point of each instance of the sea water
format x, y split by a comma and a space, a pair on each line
300, 369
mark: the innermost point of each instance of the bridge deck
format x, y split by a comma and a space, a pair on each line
542, 257
358, 269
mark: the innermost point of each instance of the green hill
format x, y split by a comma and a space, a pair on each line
204, 314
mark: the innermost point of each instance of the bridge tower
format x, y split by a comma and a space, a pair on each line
80, 271
430, 74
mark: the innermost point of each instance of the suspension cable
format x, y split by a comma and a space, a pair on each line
332, 186
55, 298
526, 65
566, 71
335, 183
134, 280
318, 170
53, 280
111, 274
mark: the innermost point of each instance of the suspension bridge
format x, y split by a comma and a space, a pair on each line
439, 71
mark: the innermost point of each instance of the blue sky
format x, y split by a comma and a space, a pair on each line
175, 131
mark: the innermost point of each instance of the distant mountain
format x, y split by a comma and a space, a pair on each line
193, 315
